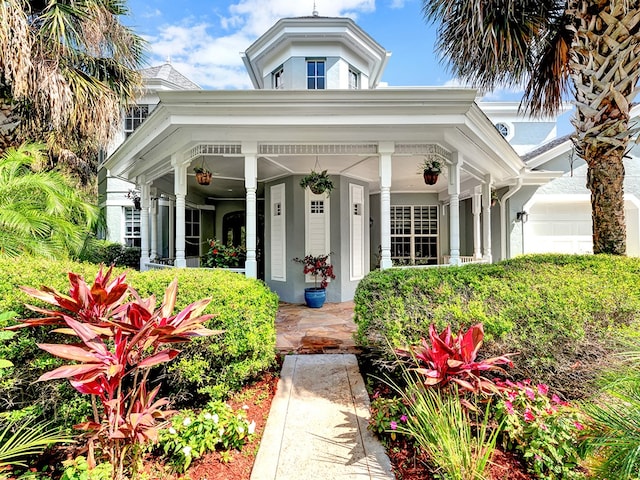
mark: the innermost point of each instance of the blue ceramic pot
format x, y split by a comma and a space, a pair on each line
315, 297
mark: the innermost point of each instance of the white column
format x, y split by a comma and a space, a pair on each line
180, 189
145, 195
476, 209
385, 149
154, 224
250, 151
486, 219
454, 208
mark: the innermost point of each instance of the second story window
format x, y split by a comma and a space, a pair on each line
277, 78
134, 117
354, 79
315, 75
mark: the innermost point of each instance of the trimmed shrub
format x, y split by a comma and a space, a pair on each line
243, 307
110, 253
564, 315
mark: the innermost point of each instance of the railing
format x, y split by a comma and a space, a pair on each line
463, 259
192, 262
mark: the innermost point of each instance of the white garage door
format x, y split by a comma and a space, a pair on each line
565, 227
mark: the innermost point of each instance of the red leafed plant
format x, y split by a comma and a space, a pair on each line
451, 358
120, 337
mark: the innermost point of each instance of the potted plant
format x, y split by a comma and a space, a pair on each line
318, 182
203, 176
320, 269
431, 168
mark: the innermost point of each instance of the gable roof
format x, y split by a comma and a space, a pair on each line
169, 75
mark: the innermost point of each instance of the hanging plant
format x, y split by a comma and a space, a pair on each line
431, 168
203, 176
318, 182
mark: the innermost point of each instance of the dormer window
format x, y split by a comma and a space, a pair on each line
134, 117
277, 78
354, 79
316, 74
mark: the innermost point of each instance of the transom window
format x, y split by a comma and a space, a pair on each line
316, 74
132, 236
503, 128
192, 232
414, 234
354, 79
135, 115
277, 78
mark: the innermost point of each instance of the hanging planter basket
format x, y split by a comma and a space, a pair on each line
430, 177
317, 182
203, 178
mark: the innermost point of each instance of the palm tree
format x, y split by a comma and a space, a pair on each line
67, 67
590, 48
40, 213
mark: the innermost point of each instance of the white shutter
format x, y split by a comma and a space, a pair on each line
356, 227
278, 233
317, 220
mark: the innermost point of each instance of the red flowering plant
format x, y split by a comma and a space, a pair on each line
447, 358
223, 256
119, 336
543, 428
318, 267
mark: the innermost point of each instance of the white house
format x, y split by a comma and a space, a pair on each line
317, 104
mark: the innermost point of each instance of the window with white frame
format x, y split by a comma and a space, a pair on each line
134, 116
354, 79
132, 235
277, 78
192, 232
316, 77
414, 234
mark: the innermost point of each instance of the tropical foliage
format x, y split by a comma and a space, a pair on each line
66, 71
40, 213
119, 340
317, 182
585, 47
223, 256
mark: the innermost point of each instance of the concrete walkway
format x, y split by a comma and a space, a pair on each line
317, 426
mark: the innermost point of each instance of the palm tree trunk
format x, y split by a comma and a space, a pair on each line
605, 71
605, 178
9, 122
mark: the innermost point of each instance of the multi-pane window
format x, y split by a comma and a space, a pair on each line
316, 75
354, 79
317, 206
134, 117
414, 234
192, 232
277, 78
132, 236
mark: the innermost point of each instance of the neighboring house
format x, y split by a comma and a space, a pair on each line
317, 104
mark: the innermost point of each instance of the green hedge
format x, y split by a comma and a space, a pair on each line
244, 308
564, 315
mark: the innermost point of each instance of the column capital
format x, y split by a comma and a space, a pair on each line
386, 147
249, 147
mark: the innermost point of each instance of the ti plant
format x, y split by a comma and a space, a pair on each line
119, 336
452, 358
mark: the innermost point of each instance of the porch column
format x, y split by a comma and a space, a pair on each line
454, 208
385, 149
476, 209
180, 189
145, 195
250, 151
486, 219
154, 224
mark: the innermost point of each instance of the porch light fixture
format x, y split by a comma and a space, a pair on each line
522, 216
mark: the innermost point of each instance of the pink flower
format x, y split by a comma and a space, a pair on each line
528, 416
578, 425
509, 406
394, 425
543, 389
512, 395
555, 398
530, 394
404, 418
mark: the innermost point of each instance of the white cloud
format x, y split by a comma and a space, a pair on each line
198, 51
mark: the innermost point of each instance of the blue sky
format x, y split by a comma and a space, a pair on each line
204, 38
